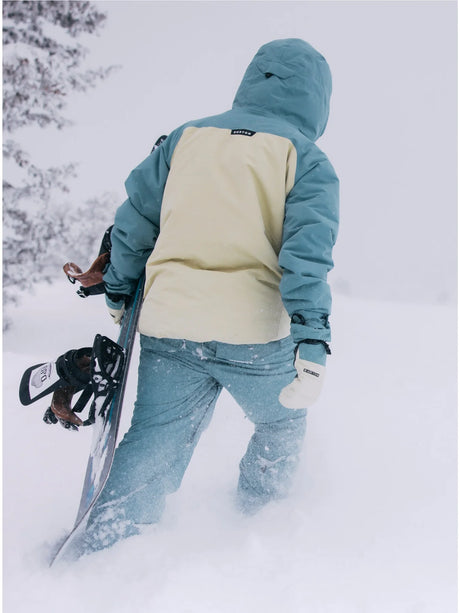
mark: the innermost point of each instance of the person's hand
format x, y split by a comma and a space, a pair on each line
116, 314
305, 389
116, 306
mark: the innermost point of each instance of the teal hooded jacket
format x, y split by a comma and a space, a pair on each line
268, 137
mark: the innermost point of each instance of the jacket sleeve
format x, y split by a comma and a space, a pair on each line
137, 223
309, 234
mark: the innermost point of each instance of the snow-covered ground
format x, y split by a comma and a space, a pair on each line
370, 527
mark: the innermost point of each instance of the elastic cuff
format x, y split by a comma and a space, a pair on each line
313, 351
114, 304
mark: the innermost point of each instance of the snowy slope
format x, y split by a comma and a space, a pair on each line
370, 528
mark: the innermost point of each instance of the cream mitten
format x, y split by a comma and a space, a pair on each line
306, 387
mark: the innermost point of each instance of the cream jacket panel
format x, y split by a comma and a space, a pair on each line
214, 272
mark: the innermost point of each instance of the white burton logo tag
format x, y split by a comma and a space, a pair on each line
41, 378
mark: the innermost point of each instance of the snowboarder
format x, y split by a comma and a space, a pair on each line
233, 219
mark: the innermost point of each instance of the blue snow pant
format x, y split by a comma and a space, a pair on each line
178, 386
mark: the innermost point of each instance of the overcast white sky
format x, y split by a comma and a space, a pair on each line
391, 137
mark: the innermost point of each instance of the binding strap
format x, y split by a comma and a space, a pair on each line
43, 379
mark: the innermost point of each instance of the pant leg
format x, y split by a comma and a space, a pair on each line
174, 405
255, 375
270, 462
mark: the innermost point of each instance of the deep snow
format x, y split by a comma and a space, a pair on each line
370, 527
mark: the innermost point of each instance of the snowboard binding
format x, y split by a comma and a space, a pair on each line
94, 371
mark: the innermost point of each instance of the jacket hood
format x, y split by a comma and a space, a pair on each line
290, 79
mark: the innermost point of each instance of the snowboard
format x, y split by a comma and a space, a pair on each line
105, 430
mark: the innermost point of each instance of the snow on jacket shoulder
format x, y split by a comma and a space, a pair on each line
234, 216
